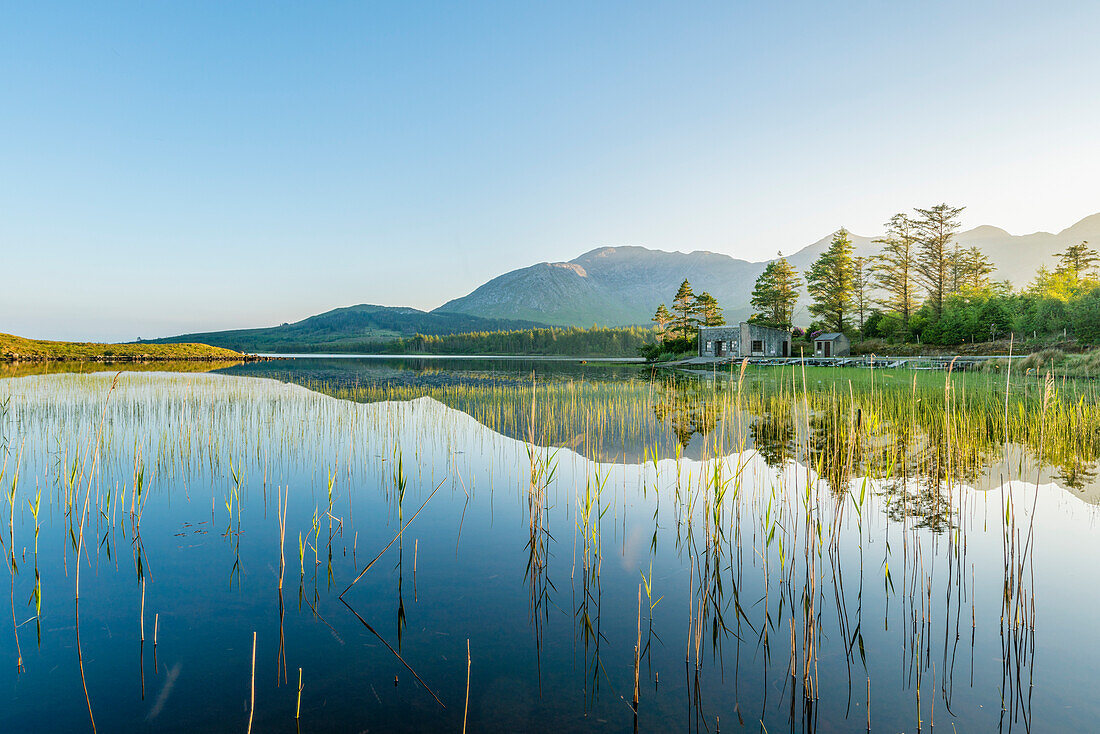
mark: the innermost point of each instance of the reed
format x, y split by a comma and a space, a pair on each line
466, 709
284, 501
252, 687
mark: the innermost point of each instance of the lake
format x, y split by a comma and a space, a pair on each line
420, 545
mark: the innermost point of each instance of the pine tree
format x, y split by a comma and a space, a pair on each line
683, 305
894, 269
956, 267
935, 229
829, 282
976, 269
861, 286
662, 319
710, 313
1079, 261
775, 294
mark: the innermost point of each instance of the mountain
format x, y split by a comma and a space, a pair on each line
620, 286
610, 286
346, 330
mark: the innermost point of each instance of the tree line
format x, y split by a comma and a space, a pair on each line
925, 286
551, 341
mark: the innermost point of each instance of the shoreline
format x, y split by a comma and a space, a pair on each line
413, 355
136, 359
20, 350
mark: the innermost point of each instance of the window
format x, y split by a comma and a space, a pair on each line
757, 345
710, 346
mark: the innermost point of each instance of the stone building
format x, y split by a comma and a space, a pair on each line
832, 344
744, 340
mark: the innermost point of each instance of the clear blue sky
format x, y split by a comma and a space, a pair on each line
170, 167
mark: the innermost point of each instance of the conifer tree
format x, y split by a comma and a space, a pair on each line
829, 282
895, 269
775, 294
708, 310
956, 266
935, 229
861, 287
1078, 260
683, 305
976, 269
662, 319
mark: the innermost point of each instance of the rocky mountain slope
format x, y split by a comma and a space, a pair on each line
610, 286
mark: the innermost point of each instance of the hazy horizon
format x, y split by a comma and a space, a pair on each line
203, 167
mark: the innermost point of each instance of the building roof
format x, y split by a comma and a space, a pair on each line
743, 323
831, 336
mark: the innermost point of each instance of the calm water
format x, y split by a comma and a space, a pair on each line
530, 558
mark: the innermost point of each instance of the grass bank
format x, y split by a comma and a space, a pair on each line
1056, 361
17, 349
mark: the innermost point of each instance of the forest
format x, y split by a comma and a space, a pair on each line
550, 341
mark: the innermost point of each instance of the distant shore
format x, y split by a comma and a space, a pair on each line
18, 349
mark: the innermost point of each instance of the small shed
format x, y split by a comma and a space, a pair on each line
832, 344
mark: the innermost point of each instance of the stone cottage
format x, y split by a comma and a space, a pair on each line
744, 340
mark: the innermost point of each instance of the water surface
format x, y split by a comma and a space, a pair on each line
551, 495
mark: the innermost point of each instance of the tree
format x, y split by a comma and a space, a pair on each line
706, 306
935, 230
994, 315
683, 305
1078, 260
1056, 285
662, 319
894, 270
975, 269
829, 282
956, 266
861, 284
775, 294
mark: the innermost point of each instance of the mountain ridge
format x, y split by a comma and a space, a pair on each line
611, 285
342, 328
621, 285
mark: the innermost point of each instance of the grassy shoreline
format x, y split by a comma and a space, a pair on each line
18, 349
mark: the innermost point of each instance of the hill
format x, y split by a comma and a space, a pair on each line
17, 349
348, 329
620, 286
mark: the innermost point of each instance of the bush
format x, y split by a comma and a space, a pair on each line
1042, 359
650, 352
669, 350
1086, 364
